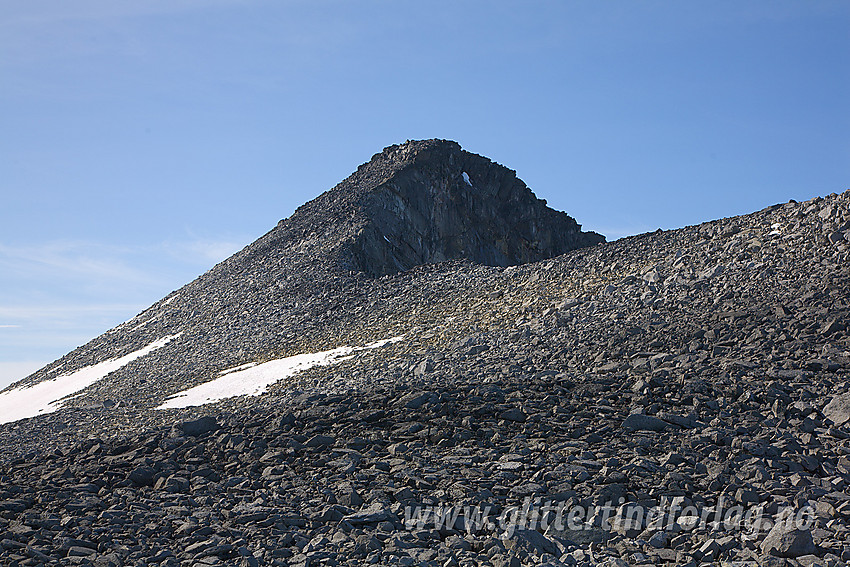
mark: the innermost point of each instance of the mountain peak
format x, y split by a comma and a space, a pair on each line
421, 202
427, 201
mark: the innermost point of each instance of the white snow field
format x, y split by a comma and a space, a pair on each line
47, 397
254, 379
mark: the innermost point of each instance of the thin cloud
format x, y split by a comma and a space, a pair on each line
40, 32
60, 294
93, 262
203, 251
63, 311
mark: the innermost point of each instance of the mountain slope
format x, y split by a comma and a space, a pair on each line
701, 369
417, 203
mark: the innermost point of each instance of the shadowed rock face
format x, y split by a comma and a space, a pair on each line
442, 203
424, 202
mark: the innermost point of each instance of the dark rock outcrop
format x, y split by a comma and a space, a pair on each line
442, 203
424, 202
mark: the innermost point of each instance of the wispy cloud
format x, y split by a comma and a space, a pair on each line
200, 250
62, 311
44, 332
96, 261
60, 294
58, 35
69, 260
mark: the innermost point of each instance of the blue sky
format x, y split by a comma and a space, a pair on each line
144, 141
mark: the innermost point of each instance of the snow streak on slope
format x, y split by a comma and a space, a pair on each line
47, 397
248, 380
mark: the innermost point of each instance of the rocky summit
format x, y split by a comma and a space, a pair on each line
427, 366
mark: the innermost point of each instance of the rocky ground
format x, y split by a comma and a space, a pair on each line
677, 375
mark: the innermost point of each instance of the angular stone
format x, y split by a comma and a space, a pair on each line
372, 515
142, 476
838, 409
200, 426
831, 327
321, 441
786, 540
640, 422
16, 505
416, 400
531, 541
79, 551
513, 414
685, 422
423, 368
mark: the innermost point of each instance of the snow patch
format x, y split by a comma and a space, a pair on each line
466, 178
254, 379
49, 395
776, 229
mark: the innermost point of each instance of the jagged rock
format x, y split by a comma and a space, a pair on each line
513, 414
421, 209
415, 401
320, 441
530, 541
374, 514
142, 476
